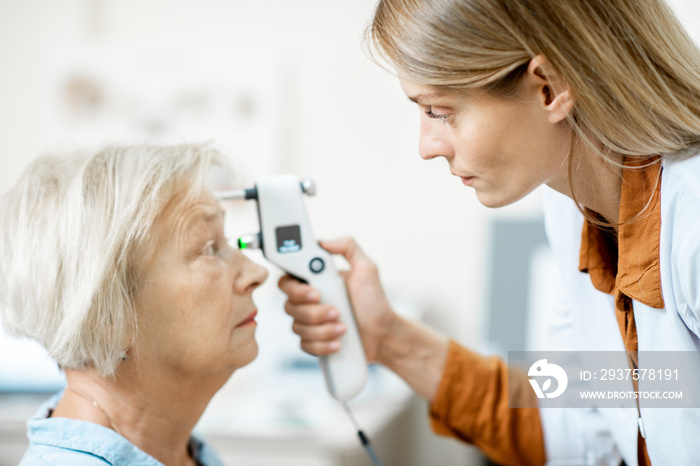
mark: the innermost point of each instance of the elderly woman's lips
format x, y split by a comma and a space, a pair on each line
250, 320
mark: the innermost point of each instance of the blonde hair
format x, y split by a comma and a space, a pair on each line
74, 233
632, 67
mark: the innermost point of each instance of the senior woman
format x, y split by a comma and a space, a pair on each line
116, 262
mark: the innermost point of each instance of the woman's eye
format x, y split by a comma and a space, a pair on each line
210, 249
437, 116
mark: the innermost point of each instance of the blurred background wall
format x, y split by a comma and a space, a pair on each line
346, 122
338, 117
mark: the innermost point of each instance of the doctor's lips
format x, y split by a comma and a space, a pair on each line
466, 180
250, 320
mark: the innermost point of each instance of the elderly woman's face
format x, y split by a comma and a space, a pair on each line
195, 309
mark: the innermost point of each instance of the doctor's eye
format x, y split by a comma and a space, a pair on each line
436, 116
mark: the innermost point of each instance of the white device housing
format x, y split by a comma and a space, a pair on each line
281, 210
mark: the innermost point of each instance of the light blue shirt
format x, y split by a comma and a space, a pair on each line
61, 441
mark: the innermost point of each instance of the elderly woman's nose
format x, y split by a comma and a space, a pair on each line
252, 276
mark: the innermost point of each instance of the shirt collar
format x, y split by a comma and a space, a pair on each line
630, 262
82, 436
96, 440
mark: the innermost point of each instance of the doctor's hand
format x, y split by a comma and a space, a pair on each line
318, 325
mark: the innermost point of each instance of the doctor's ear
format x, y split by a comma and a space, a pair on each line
554, 93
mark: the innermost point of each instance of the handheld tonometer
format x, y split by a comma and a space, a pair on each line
286, 240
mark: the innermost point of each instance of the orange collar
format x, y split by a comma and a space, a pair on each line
630, 262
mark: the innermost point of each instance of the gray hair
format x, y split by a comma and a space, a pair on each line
74, 234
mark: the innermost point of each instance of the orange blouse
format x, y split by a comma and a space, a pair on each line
471, 403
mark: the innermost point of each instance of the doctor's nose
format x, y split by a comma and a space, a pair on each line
433, 144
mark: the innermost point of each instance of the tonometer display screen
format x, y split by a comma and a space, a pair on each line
288, 239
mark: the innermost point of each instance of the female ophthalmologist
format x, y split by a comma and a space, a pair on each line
600, 101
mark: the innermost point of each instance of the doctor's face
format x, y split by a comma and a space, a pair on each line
504, 148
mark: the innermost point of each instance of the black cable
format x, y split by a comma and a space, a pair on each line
363, 438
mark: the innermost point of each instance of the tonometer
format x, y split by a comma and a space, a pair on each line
286, 240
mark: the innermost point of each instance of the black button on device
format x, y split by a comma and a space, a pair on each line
317, 265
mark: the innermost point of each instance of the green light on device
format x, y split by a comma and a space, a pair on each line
249, 242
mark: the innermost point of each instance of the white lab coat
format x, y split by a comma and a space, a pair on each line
584, 320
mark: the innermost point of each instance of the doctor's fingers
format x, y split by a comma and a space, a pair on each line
298, 292
311, 314
319, 333
348, 248
319, 340
320, 348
